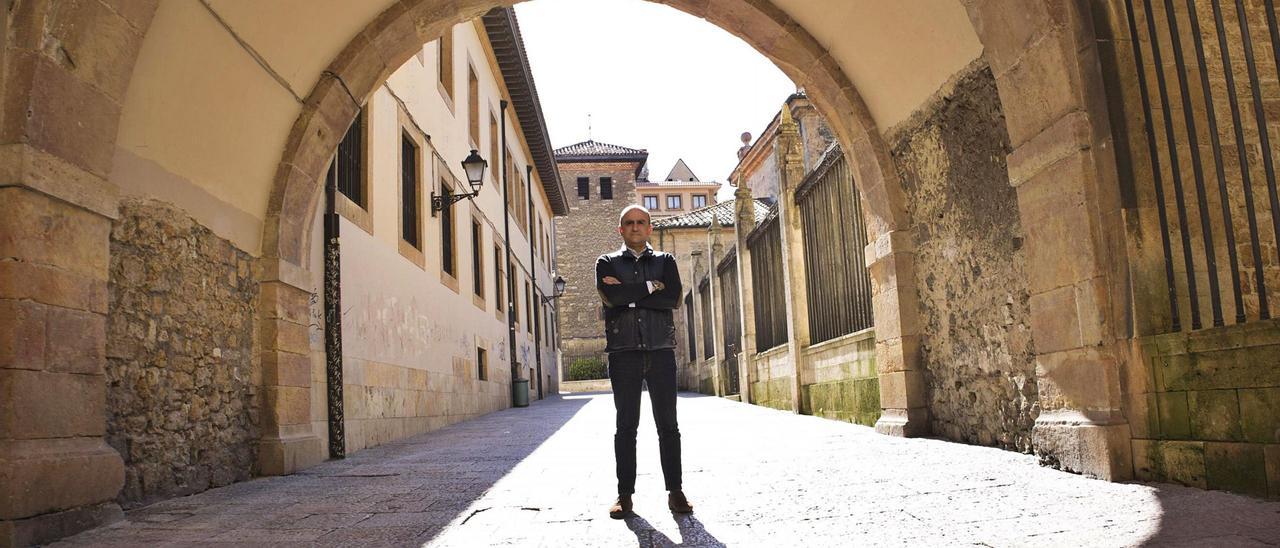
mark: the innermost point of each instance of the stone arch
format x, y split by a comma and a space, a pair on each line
399, 32
1048, 79
60, 119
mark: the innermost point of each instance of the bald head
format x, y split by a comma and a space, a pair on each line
629, 209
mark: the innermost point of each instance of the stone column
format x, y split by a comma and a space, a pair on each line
1052, 93
904, 408
717, 317
58, 126
288, 442
744, 223
788, 148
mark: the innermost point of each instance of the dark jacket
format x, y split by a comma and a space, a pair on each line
634, 318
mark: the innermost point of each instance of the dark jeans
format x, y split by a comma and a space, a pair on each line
627, 370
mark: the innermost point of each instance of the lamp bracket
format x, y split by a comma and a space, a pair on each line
439, 202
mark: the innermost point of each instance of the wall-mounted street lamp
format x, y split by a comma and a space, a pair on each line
474, 167
559, 291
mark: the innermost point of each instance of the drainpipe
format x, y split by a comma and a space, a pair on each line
506, 233
533, 277
333, 320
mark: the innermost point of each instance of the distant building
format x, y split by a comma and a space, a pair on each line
601, 179
680, 192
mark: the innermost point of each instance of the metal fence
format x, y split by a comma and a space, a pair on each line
839, 287
690, 329
767, 289
708, 335
729, 306
1198, 87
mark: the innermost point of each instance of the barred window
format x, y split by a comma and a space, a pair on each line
410, 224
606, 188
447, 262
477, 258
347, 169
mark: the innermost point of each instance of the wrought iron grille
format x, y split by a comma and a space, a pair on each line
1193, 85
729, 306
767, 289
708, 316
839, 287
690, 330
349, 164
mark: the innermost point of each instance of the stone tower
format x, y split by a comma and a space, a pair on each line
601, 179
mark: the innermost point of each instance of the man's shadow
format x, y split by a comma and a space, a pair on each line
692, 533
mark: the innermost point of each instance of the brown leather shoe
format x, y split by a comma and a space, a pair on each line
621, 508
677, 502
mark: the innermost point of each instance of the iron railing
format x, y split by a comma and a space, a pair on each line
708, 317
1197, 92
729, 306
768, 300
690, 329
839, 287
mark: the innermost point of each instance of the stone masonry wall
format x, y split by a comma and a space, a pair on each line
1207, 411
772, 373
181, 398
838, 379
977, 348
589, 230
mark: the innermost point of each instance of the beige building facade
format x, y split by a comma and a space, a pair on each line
425, 292
1130, 357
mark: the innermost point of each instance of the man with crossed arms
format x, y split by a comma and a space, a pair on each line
640, 288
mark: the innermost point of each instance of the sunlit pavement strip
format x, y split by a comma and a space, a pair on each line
543, 476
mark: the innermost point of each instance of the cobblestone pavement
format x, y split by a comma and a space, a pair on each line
543, 476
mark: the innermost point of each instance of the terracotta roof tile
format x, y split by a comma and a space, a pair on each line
593, 149
724, 212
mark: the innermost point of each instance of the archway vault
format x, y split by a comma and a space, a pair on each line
399, 32
62, 113
1047, 74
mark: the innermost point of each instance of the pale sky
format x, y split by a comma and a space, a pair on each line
651, 77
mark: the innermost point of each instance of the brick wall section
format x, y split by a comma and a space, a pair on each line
976, 339
589, 230
181, 398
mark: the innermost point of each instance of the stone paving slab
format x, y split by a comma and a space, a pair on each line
543, 476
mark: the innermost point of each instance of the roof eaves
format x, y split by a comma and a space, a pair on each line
508, 47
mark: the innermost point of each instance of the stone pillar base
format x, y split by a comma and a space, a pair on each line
903, 423
46, 528
37, 476
1070, 441
280, 456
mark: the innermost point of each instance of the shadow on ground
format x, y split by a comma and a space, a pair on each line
1190, 516
692, 533
399, 493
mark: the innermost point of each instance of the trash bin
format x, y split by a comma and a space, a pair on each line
521, 387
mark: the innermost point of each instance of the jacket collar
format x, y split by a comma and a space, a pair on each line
626, 251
